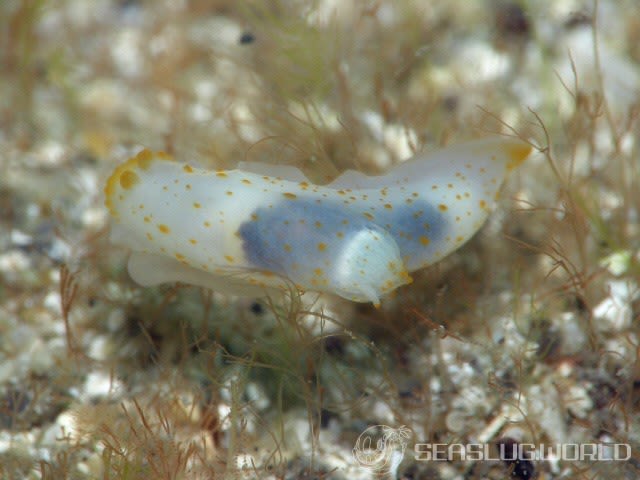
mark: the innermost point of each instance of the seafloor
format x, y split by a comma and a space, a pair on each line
528, 335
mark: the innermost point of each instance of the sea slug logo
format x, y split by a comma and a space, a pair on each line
381, 448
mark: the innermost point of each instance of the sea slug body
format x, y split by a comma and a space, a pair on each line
247, 233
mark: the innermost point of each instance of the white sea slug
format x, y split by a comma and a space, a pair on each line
246, 233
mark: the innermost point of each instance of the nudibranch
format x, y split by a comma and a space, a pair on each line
246, 233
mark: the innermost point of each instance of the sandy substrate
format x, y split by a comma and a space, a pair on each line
529, 335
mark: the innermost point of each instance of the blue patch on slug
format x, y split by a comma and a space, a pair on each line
286, 238
409, 224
